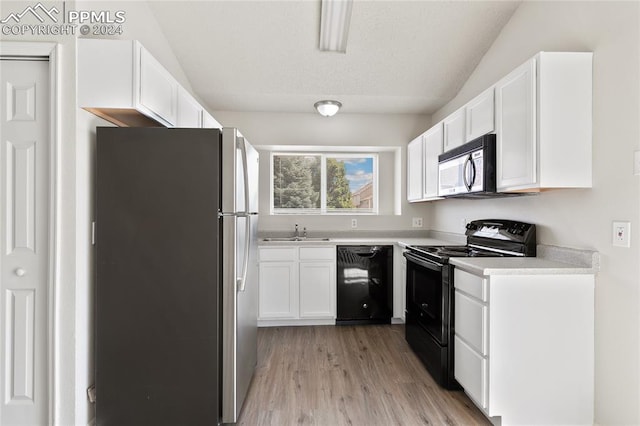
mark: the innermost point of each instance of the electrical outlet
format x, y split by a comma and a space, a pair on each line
416, 222
636, 163
354, 223
621, 234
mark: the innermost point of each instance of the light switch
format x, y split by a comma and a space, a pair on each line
621, 234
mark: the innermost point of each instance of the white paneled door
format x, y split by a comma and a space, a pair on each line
24, 213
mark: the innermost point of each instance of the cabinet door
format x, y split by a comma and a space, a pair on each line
432, 148
479, 115
454, 132
189, 110
317, 289
415, 169
278, 295
515, 128
158, 89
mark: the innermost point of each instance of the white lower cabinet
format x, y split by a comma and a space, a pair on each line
471, 371
297, 285
278, 290
317, 289
399, 282
524, 346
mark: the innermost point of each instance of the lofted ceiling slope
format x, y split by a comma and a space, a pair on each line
403, 57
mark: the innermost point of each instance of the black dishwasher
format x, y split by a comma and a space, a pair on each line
365, 285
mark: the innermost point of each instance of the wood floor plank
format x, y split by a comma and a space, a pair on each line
347, 375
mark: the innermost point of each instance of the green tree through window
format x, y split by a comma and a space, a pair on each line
338, 192
348, 182
296, 182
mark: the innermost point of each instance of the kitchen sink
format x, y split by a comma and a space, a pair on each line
300, 239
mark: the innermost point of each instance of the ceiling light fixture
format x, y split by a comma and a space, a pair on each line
334, 25
327, 108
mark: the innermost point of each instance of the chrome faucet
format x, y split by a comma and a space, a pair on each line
296, 233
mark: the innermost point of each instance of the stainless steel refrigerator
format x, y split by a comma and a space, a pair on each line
176, 275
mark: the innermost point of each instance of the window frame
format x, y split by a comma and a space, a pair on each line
323, 211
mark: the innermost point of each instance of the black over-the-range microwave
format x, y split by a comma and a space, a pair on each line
469, 170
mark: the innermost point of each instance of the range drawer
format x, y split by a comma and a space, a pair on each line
471, 321
470, 370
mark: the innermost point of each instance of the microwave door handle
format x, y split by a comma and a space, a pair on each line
464, 173
473, 172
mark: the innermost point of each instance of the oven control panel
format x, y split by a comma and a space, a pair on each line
502, 231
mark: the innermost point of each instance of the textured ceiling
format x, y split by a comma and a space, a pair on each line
402, 56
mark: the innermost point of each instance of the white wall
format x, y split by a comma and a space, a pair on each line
341, 130
582, 218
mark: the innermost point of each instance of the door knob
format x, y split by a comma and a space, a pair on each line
20, 272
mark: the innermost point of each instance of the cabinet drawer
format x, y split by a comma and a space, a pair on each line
274, 254
470, 370
317, 253
471, 322
471, 284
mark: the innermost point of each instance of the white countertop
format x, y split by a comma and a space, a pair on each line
401, 241
517, 266
551, 260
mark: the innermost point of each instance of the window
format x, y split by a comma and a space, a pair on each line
324, 183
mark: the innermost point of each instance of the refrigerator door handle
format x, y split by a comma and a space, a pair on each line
242, 280
245, 171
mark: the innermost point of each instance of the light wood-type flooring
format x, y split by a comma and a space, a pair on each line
347, 375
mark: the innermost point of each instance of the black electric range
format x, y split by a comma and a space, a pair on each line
429, 297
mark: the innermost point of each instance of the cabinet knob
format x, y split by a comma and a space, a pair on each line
20, 272
364, 305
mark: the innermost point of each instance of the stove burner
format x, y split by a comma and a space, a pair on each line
445, 252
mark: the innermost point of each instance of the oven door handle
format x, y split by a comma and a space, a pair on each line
422, 262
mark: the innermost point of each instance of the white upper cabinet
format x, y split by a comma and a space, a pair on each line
415, 169
543, 123
541, 114
120, 81
422, 165
189, 112
515, 136
432, 148
158, 89
480, 115
454, 130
